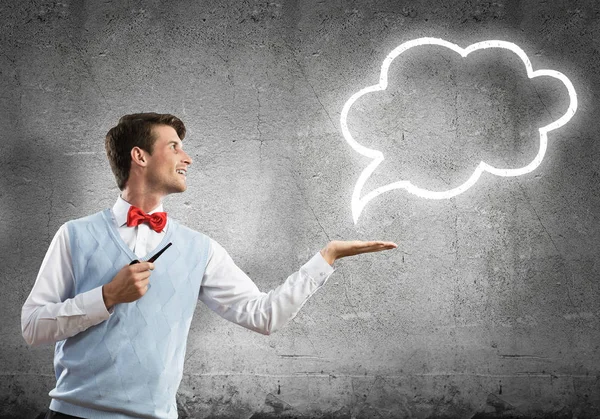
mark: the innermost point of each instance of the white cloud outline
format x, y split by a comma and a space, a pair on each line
358, 203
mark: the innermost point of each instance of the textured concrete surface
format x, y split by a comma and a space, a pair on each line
489, 308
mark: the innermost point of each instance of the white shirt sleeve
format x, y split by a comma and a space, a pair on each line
229, 292
51, 312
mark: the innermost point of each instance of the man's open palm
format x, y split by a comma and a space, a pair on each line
338, 249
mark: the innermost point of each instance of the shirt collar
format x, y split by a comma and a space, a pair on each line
121, 208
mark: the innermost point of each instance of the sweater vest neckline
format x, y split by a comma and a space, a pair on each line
114, 234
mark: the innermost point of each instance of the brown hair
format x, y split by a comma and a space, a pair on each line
135, 130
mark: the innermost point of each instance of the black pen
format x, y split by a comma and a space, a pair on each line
153, 258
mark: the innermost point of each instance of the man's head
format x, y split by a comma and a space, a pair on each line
135, 137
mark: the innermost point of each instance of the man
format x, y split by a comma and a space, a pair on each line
120, 328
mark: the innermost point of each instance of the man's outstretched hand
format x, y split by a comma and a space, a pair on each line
338, 249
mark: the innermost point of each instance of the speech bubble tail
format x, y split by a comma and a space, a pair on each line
357, 203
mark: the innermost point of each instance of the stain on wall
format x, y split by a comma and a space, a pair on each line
489, 307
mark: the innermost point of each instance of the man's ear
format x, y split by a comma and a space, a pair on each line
139, 156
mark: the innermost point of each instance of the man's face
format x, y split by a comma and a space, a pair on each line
168, 164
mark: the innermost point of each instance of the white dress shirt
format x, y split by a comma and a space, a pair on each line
48, 315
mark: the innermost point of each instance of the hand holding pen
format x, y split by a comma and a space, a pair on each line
153, 258
131, 282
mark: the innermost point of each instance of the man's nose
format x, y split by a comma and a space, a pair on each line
187, 159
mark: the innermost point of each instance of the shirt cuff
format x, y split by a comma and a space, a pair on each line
93, 305
318, 269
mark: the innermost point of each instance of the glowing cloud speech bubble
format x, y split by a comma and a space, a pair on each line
359, 203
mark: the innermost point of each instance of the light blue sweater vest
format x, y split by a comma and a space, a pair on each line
132, 363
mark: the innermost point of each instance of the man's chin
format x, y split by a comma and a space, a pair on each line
178, 189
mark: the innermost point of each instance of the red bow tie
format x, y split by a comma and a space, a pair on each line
136, 216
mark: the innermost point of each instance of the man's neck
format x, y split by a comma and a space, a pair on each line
145, 201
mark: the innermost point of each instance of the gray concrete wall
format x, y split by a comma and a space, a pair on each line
489, 308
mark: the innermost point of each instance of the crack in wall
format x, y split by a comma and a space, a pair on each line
542, 102
579, 318
302, 194
305, 77
259, 122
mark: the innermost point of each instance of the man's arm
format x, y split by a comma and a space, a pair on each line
228, 291
52, 312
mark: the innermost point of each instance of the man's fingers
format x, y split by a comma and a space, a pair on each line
388, 245
338, 249
142, 287
374, 246
141, 271
142, 266
140, 276
357, 247
377, 248
146, 266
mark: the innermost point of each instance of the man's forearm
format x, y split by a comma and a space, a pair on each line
48, 322
228, 291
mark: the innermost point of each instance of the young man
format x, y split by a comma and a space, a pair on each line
120, 329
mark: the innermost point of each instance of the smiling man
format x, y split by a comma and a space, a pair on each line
120, 329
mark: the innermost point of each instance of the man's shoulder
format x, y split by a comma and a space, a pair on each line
187, 231
191, 239
87, 219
